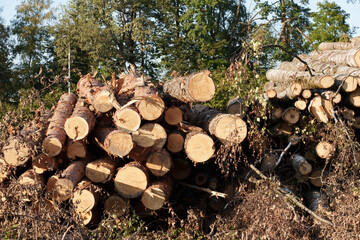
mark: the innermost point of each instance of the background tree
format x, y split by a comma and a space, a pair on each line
329, 24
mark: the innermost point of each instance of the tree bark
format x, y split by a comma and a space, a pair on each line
349, 57
324, 46
318, 177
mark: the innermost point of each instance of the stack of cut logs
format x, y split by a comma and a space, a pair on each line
121, 140
323, 85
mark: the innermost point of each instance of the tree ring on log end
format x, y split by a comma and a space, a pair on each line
230, 128
118, 143
151, 108
103, 101
199, 147
52, 146
115, 205
201, 87
83, 200
130, 181
153, 198
76, 128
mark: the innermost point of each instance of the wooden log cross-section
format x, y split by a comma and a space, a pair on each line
149, 104
86, 196
155, 196
150, 135
199, 146
101, 170
113, 141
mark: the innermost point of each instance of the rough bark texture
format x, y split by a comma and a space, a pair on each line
199, 147
291, 92
149, 104
114, 142
196, 87
55, 139
101, 170
159, 162
324, 46
157, 194
349, 57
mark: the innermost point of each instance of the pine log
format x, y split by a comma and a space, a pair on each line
199, 147
236, 106
70, 177
268, 163
131, 180
196, 87
201, 178
18, 151
354, 98
76, 149
159, 162
318, 177
86, 196
173, 115
139, 153
300, 164
175, 142
4, 170
55, 139
271, 93
227, 128
149, 104
42, 163
316, 109
80, 123
347, 83
306, 93
101, 97
324, 149
277, 113
291, 115
335, 97
127, 119
115, 206
269, 90
300, 104
181, 169
157, 194
349, 57
290, 93
150, 135
324, 46
101, 170
32, 182
114, 142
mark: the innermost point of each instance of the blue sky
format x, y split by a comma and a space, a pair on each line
8, 9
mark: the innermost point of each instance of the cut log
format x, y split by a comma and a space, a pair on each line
277, 113
42, 163
159, 162
201, 178
291, 115
86, 196
318, 177
114, 142
131, 180
228, 128
306, 94
149, 103
150, 135
347, 83
127, 119
271, 93
95, 93
139, 153
101, 170
76, 149
116, 206
18, 151
91, 218
314, 200
196, 87
236, 105
324, 149
283, 129
70, 177
348, 114
175, 142
316, 109
335, 97
354, 98
199, 147
300, 104
55, 139
51, 187
356, 122
32, 182
300, 164
290, 93
80, 123
157, 194
324, 46
181, 169
4, 170
213, 183
173, 115
268, 163
349, 57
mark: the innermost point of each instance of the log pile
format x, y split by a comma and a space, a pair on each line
126, 139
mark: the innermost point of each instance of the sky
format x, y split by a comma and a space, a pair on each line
8, 9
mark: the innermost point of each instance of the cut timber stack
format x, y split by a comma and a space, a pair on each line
123, 140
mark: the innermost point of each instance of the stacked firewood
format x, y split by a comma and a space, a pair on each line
323, 85
121, 140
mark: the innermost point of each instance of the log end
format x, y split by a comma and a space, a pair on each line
103, 101
201, 87
154, 198
350, 84
17, 151
118, 143
327, 81
199, 147
64, 188
52, 146
76, 128
230, 129
151, 107
159, 163
355, 98
324, 149
175, 142
127, 120
173, 116
115, 205
83, 200
131, 181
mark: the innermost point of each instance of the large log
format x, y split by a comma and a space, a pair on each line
349, 57
196, 87
228, 128
236, 106
199, 147
291, 92
159, 162
347, 83
149, 104
127, 119
316, 109
100, 96
157, 194
324, 46
114, 142
80, 123
101, 170
55, 139
150, 135
18, 150
86, 196
291, 115
173, 115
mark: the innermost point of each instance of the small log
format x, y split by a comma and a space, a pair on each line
201, 178
76, 149
116, 206
70, 177
349, 57
157, 194
150, 135
181, 169
348, 114
314, 200
236, 106
196, 87
101, 170
324, 46
316, 109
32, 183
199, 147
271, 93
114, 142
277, 113
173, 116
324, 149
268, 163
139, 153
318, 177
347, 83
42, 163
291, 115
159, 162
283, 129
127, 119
131, 180
101, 97
354, 98
55, 139
300, 164
290, 93
306, 93
300, 104
175, 142
213, 183
51, 187
80, 123
149, 104
356, 123
86, 196
91, 218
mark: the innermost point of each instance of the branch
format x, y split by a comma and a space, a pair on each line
285, 150
307, 39
212, 193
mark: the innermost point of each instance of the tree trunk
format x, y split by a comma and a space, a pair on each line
306, 94
131, 180
86, 196
80, 123
150, 135
199, 147
42, 163
149, 104
175, 142
196, 87
157, 194
159, 162
349, 57
236, 106
76, 149
300, 164
173, 116
324, 46
55, 139
114, 142
101, 170
347, 83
